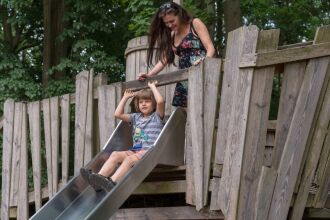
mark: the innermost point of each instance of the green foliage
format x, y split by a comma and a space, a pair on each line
99, 37
297, 20
143, 11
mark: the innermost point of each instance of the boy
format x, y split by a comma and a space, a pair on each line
147, 125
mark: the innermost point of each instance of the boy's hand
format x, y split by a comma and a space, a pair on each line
129, 93
152, 83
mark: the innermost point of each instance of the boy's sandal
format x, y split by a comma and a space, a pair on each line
101, 181
86, 175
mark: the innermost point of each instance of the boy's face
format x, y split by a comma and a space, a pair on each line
145, 106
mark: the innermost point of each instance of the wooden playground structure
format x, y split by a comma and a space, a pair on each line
237, 161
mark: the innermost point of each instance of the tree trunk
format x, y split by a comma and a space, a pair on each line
232, 14
53, 49
12, 34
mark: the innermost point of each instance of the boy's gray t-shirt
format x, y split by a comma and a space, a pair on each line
146, 130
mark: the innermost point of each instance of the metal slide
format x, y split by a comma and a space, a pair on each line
78, 200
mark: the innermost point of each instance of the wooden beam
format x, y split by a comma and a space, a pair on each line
181, 212
163, 79
285, 56
317, 213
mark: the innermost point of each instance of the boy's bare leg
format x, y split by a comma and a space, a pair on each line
110, 165
126, 165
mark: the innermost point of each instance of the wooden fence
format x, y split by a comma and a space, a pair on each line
232, 164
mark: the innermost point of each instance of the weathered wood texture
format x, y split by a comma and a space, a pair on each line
83, 120
314, 153
234, 105
17, 144
184, 212
7, 151
286, 55
35, 137
109, 97
202, 96
23, 205
257, 122
296, 141
65, 136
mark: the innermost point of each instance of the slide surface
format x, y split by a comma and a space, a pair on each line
78, 200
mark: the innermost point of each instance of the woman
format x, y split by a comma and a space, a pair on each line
176, 32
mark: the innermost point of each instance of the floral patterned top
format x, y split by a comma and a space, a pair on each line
190, 49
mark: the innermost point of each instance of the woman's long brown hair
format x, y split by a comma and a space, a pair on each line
160, 35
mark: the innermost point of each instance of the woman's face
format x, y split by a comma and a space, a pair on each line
171, 21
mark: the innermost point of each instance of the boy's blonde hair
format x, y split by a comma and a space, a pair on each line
144, 94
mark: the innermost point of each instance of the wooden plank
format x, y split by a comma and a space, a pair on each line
297, 137
321, 167
88, 155
48, 144
65, 135
286, 55
266, 182
130, 60
35, 137
291, 84
236, 92
169, 93
163, 79
212, 71
184, 212
8, 128
256, 131
54, 125
228, 85
15, 172
119, 94
99, 80
23, 204
164, 187
322, 196
80, 119
195, 108
190, 185
106, 108
313, 155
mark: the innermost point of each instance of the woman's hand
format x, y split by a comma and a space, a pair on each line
143, 76
128, 94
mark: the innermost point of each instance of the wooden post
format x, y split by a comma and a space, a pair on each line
83, 119
99, 80
257, 122
107, 104
35, 137
203, 89
234, 105
65, 135
23, 203
48, 146
8, 128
